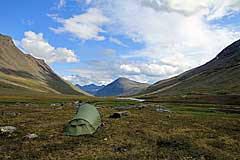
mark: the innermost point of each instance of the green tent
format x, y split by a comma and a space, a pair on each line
86, 121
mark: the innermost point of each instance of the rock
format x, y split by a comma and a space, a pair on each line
11, 114
7, 129
122, 114
28, 105
51, 136
31, 136
105, 139
77, 103
120, 149
53, 105
59, 108
57, 105
103, 124
102, 106
162, 109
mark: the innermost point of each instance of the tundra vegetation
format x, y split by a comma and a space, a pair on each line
190, 130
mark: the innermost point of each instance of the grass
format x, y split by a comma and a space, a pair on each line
197, 99
30, 84
205, 109
215, 79
115, 103
189, 132
12, 84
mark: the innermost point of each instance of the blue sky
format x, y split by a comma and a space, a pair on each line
91, 41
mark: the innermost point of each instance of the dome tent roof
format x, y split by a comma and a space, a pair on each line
86, 121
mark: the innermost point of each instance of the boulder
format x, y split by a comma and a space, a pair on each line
122, 114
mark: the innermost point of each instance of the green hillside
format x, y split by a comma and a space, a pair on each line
220, 76
21, 73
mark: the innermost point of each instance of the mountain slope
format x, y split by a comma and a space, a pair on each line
219, 76
91, 88
21, 73
122, 87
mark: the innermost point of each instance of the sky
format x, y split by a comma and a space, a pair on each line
97, 41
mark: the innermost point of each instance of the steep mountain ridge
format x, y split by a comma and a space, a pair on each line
25, 74
221, 75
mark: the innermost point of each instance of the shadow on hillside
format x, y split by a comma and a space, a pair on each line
60, 85
22, 74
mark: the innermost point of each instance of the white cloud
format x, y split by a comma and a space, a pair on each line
186, 7
221, 8
37, 46
89, 76
88, 1
105, 71
154, 69
130, 68
101, 73
82, 80
117, 41
61, 4
176, 35
169, 28
86, 26
150, 69
213, 9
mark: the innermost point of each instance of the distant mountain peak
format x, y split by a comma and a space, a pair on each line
122, 78
122, 86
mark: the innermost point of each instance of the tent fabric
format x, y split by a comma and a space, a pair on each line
86, 121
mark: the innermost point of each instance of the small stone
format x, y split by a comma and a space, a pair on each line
77, 102
162, 109
120, 149
31, 136
28, 104
103, 124
59, 108
11, 114
105, 139
57, 104
7, 129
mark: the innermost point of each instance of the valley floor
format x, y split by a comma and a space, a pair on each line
189, 131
